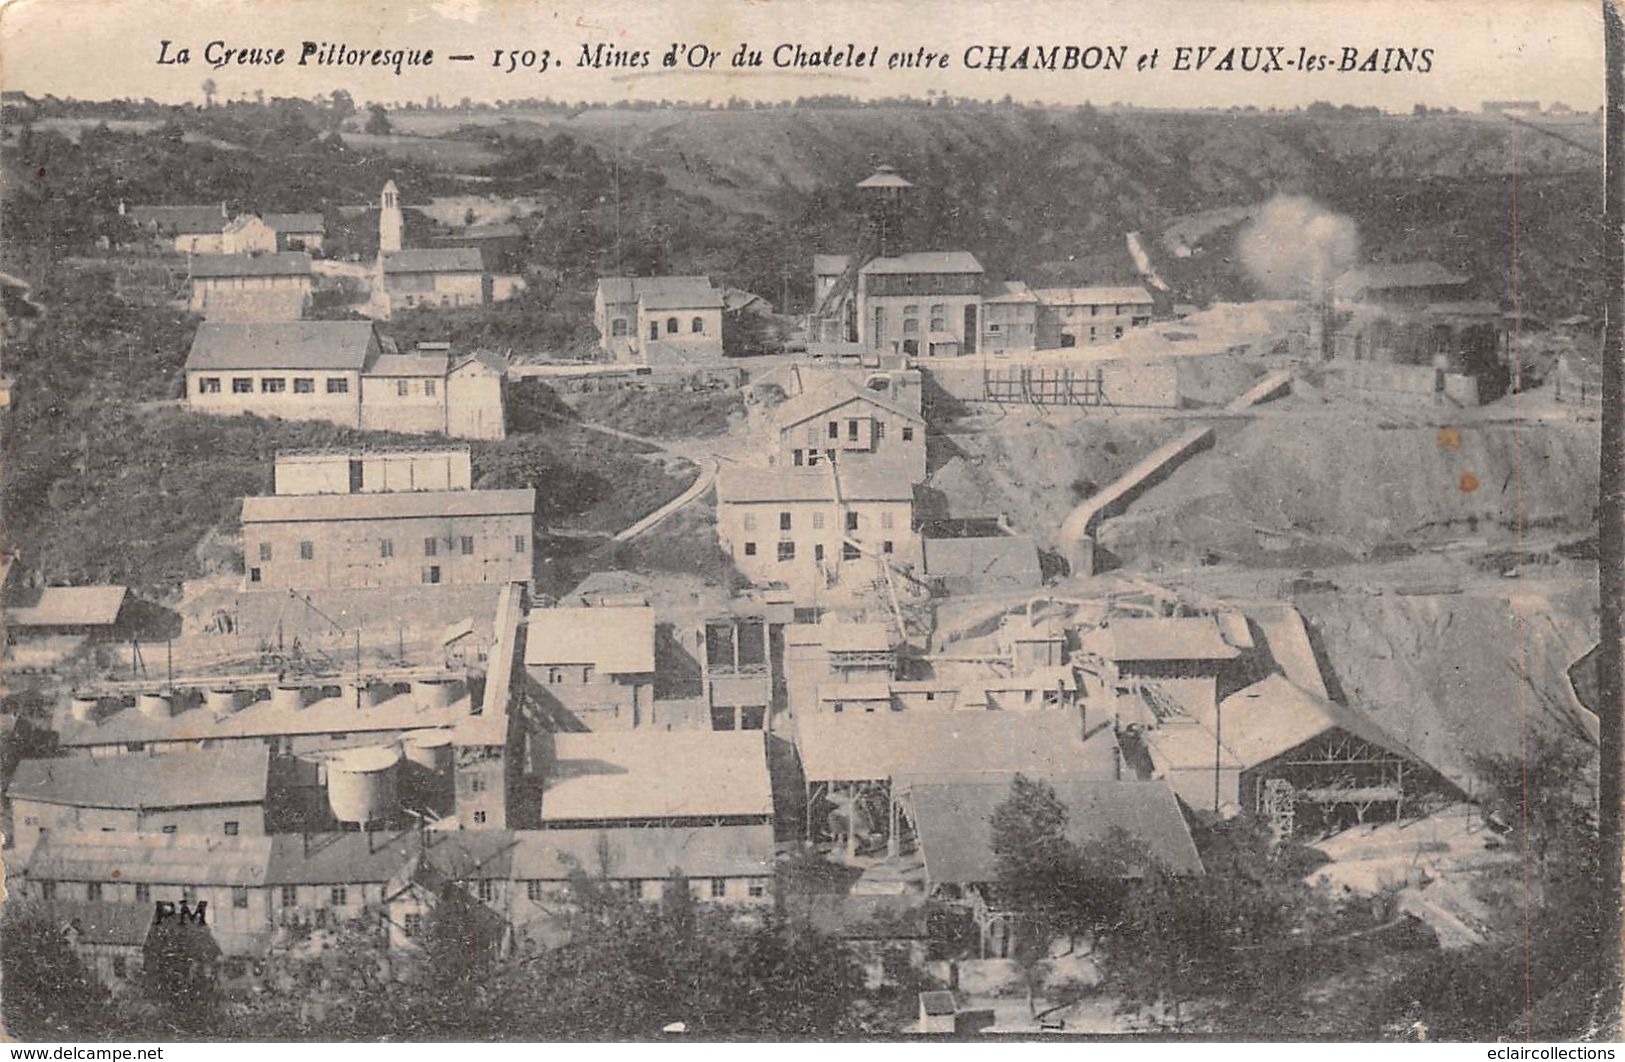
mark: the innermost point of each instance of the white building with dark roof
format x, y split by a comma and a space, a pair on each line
650, 319
251, 287
866, 430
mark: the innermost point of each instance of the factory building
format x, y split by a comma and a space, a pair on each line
592, 668
1088, 316
654, 319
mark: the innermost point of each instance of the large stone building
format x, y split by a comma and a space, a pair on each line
592, 668
298, 232
650, 319
864, 429
1080, 317
251, 287
925, 304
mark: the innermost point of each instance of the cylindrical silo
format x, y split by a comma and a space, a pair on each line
434, 693
220, 701
429, 748
83, 707
154, 704
361, 785
288, 697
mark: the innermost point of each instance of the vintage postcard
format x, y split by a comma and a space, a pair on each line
737, 520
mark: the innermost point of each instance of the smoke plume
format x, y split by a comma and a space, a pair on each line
1294, 246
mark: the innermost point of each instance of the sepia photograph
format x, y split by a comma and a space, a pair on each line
917, 521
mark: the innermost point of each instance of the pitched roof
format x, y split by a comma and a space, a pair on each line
1162, 638
858, 748
352, 857
828, 393
68, 606
1010, 558
662, 293
1011, 291
828, 265
616, 641
388, 506
1273, 716
1399, 275
925, 262
653, 774
434, 260
282, 264
149, 858
639, 852
408, 365
952, 820
230, 774
1093, 296
335, 345
745, 483
181, 220
296, 223
838, 637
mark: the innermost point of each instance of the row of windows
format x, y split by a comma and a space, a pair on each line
696, 326
786, 522
913, 310
273, 385
912, 324
787, 550
386, 548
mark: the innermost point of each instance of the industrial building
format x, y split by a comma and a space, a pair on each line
1080, 317
658, 319
592, 668
861, 427
251, 287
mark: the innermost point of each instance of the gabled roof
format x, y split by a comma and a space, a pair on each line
862, 748
1170, 638
181, 220
353, 858
1093, 296
1273, 716
434, 260
1010, 291
616, 641
655, 774
298, 224
828, 393
282, 264
150, 858
643, 852
230, 774
745, 483
662, 293
956, 838
925, 262
449, 504
829, 265
1400, 275
67, 606
408, 365
334, 345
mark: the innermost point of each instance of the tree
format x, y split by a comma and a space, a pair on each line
343, 107
378, 120
49, 995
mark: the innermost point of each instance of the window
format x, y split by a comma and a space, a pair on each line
939, 324
386, 548
938, 308
403, 388
719, 888
468, 545
412, 925
849, 551
787, 551
431, 574
428, 388
697, 326
784, 521
617, 327
796, 458
289, 896
93, 891
750, 549
479, 818
908, 434
143, 892
118, 967
992, 328
654, 329
304, 385
338, 896
307, 551
885, 520
749, 523
242, 385
910, 325
253, 575
338, 385
171, 828
671, 326
239, 897
265, 551
429, 546
231, 829
834, 429
486, 890
476, 784
535, 892
852, 431
47, 890
208, 385
273, 385
851, 521
885, 547
519, 543
818, 521
338, 735
555, 675
757, 888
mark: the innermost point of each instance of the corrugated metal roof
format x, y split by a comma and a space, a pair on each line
282, 264
1173, 638
925, 262
231, 774
434, 260
865, 747
743, 483
640, 774
616, 641
1094, 296
643, 852
69, 606
298, 224
150, 858
953, 819
279, 508
336, 345
663, 293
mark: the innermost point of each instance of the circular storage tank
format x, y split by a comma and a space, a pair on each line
288, 697
361, 785
154, 705
83, 707
434, 693
428, 748
372, 692
222, 702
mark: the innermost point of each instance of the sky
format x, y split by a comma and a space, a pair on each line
1546, 50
